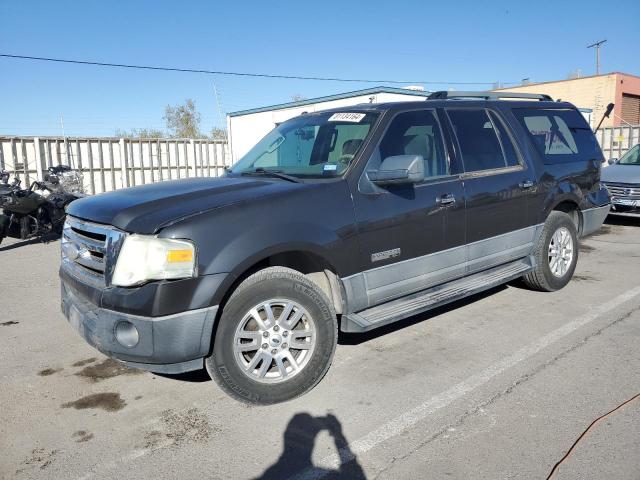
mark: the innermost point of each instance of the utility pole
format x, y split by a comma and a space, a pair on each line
597, 47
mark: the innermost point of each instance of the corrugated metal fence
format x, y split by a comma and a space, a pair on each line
112, 163
615, 141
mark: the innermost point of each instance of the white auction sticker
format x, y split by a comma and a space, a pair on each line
347, 117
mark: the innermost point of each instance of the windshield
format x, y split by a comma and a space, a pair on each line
311, 145
632, 157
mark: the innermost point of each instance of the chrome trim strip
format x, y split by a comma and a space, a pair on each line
82, 274
86, 242
91, 263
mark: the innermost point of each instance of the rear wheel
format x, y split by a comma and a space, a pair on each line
276, 338
556, 254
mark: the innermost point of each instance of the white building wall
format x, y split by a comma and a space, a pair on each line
246, 130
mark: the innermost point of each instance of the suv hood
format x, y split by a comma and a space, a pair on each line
621, 173
147, 209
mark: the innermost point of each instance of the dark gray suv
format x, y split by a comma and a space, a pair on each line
345, 219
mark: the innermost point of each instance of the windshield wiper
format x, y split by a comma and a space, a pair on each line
272, 173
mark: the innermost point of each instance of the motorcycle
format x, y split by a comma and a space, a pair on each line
40, 209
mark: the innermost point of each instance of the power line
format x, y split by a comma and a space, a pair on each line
237, 74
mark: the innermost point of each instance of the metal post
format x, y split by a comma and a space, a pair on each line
207, 145
101, 163
142, 161
178, 158
25, 163
38, 154
168, 158
186, 159
14, 156
58, 153
112, 166
47, 152
195, 157
92, 180
123, 163
78, 156
2, 165
158, 159
66, 152
215, 160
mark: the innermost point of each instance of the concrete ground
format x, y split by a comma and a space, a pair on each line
498, 386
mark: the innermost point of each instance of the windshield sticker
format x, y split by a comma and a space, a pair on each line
347, 117
330, 167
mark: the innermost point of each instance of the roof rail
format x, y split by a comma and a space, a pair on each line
444, 95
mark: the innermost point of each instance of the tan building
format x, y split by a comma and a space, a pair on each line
595, 92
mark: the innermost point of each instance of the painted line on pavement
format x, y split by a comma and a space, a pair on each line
430, 406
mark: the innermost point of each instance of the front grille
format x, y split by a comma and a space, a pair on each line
89, 250
623, 190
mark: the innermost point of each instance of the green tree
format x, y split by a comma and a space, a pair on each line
183, 121
141, 133
218, 133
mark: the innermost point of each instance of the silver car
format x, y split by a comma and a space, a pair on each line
622, 179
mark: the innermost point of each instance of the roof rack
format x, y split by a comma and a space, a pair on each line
445, 95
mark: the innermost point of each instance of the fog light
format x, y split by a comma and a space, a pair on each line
127, 334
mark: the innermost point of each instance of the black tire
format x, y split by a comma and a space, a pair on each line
541, 278
273, 283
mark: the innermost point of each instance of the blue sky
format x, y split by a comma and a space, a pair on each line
412, 40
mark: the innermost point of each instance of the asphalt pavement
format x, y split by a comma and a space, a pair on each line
497, 386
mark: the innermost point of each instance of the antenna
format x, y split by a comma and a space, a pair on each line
597, 47
220, 115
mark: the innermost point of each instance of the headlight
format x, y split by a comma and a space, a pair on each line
144, 258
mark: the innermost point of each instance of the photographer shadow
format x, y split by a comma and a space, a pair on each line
299, 440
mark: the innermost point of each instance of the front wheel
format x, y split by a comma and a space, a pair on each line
556, 254
276, 338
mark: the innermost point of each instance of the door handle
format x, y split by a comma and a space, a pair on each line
446, 199
526, 184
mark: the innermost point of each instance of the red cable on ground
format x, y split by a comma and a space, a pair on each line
583, 434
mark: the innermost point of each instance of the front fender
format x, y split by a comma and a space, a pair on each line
256, 244
231, 240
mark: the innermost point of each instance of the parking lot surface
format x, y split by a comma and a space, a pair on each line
497, 386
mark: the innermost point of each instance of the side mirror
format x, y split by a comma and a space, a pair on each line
611, 161
399, 169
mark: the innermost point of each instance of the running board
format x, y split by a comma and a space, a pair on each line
434, 297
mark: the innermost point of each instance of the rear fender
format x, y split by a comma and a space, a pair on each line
563, 192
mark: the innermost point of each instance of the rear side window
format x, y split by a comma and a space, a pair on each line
560, 135
479, 137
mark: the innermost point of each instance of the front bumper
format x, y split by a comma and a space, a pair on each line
623, 206
170, 344
593, 218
